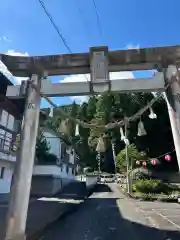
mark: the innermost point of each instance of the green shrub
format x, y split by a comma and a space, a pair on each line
151, 186
134, 188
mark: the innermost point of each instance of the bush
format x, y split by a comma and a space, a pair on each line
151, 186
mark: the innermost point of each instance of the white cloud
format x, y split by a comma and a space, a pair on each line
14, 53
86, 77
7, 73
132, 46
6, 39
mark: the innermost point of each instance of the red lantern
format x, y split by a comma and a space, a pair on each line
154, 161
168, 158
144, 164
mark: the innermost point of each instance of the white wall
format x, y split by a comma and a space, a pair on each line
5, 182
56, 171
54, 142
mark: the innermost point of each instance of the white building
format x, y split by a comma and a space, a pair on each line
58, 174
48, 178
10, 114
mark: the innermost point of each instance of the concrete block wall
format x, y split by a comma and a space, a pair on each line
91, 181
48, 185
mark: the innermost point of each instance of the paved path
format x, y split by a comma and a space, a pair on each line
163, 215
109, 215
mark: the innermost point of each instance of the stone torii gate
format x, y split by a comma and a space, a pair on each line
98, 62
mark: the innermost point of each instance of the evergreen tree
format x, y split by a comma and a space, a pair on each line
42, 147
91, 108
82, 114
111, 107
72, 124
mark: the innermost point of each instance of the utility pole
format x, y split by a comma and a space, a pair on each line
19, 199
100, 149
99, 162
114, 154
127, 162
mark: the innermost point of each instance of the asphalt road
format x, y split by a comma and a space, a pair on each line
107, 214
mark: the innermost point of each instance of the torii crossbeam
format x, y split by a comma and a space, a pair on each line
99, 62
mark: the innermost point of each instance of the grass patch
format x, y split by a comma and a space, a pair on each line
153, 190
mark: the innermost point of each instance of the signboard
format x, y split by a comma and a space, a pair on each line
99, 65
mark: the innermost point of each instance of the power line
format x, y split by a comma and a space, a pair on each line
97, 17
80, 11
77, 121
55, 26
57, 29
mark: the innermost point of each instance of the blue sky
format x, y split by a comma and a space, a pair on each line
26, 28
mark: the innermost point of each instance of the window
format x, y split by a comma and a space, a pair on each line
2, 172
2, 137
63, 151
10, 123
1, 144
8, 141
67, 169
7, 120
4, 118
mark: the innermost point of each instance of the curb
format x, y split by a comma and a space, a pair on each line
38, 234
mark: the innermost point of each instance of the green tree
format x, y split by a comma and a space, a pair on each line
82, 114
91, 108
104, 108
111, 107
133, 155
72, 125
42, 147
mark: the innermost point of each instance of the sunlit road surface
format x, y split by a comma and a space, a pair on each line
108, 214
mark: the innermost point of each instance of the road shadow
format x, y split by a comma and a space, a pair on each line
102, 219
41, 214
100, 188
75, 190
44, 210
